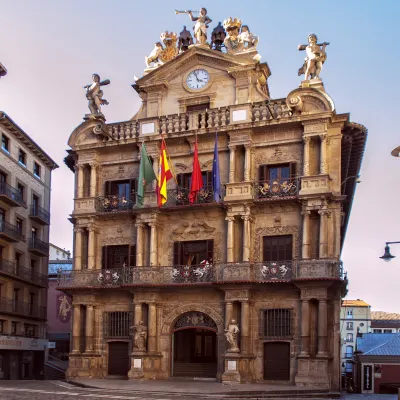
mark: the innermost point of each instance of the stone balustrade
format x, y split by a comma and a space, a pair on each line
201, 274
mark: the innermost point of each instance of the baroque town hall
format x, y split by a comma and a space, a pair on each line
156, 291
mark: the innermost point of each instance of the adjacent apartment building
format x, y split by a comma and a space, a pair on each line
25, 187
385, 322
355, 318
262, 263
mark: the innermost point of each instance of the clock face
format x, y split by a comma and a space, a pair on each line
197, 79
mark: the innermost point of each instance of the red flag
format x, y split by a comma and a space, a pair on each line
164, 175
197, 178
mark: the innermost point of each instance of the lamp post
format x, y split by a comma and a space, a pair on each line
3, 70
396, 152
387, 256
358, 180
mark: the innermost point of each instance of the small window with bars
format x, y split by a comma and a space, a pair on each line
278, 323
116, 324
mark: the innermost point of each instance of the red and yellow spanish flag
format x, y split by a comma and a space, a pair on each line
164, 175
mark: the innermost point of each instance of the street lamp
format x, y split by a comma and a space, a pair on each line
358, 180
396, 152
387, 256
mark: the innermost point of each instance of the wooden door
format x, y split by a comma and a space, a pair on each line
277, 361
118, 358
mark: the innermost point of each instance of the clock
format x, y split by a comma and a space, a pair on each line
197, 79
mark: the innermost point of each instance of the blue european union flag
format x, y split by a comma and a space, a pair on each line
216, 180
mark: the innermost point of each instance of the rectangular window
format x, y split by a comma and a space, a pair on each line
21, 190
387, 331
349, 338
118, 256
33, 268
350, 313
278, 323
192, 253
120, 194
205, 195
116, 324
377, 331
5, 143
3, 178
22, 157
2, 323
31, 303
36, 169
19, 225
15, 300
14, 326
277, 248
349, 325
35, 233
30, 330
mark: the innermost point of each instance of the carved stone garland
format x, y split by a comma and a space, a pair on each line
279, 155
275, 231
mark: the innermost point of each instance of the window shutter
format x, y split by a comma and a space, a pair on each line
104, 261
292, 170
209, 179
177, 253
210, 250
107, 188
132, 256
262, 173
179, 179
133, 189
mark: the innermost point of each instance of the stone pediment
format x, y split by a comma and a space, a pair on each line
194, 56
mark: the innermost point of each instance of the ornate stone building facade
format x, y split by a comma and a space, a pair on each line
267, 256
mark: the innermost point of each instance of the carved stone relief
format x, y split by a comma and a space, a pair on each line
274, 231
278, 154
115, 172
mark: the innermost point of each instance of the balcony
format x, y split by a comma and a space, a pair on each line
25, 274
10, 306
180, 197
114, 203
11, 196
39, 215
276, 189
10, 232
38, 247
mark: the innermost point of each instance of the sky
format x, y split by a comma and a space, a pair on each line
51, 48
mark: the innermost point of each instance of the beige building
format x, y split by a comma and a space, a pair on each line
57, 253
25, 184
385, 322
267, 256
355, 317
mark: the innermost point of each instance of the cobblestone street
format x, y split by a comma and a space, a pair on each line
58, 390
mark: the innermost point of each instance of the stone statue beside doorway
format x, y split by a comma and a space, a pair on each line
139, 336
231, 334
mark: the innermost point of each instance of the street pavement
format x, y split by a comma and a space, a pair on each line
59, 390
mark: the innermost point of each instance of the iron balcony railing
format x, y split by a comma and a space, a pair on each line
39, 245
276, 189
40, 212
205, 273
11, 231
180, 196
19, 271
11, 193
112, 203
22, 308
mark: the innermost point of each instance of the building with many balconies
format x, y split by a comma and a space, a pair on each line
25, 184
267, 256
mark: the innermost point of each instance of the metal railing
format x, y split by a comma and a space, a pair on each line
22, 308
40, 212
180, 196
39, 245
114, 203
12, 193
276, 188
11, 231
19, 271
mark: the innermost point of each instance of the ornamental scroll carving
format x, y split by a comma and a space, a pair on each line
275, 231
278, 154
115, 172
195, 319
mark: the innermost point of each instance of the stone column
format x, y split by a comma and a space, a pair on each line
322, 328
78, 248
152, 328
153, 244
246, 237
232, 166
138, 313
76, 329
247, 162
305, 328
139, 244
323, 233
306, 164
245, 326
92, 248
323, 154
230, 239
89, 328
306, 233
93, 179
228, 312
80, 180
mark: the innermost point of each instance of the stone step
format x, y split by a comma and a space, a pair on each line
195, 369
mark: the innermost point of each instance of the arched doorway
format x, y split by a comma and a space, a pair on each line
118, 358
194, 346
